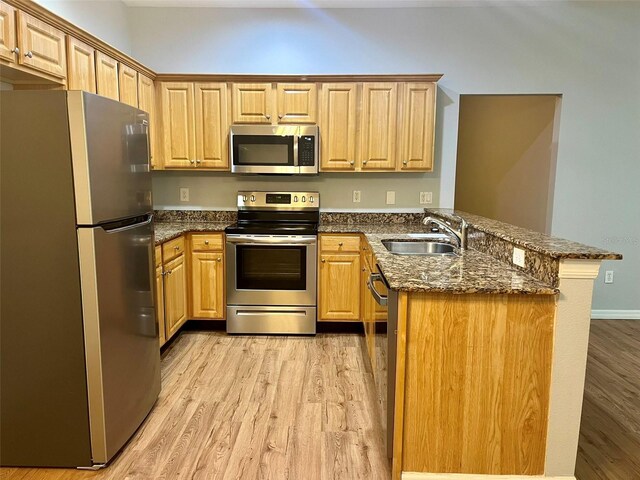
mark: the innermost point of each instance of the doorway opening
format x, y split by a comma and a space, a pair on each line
506, 161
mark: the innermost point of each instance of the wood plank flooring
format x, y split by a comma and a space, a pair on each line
253, 408
609, 447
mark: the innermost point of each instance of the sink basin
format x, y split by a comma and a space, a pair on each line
404, 247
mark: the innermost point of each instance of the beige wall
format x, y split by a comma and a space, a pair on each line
506, 158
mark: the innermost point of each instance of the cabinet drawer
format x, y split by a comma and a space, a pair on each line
172, 249
340, 243
206, 242
158, 256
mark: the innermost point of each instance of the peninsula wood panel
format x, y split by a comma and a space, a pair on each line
128, 85
8, 40
339, 295
42, 47
160, 305
82, 66
252, 102
207, 284
107, 76
338, 126
378, 126
417, 127
178, 131
211, 126
175, 295
147, 102
477, 376
297, 102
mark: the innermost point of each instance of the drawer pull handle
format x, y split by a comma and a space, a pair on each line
206, 242
340, 244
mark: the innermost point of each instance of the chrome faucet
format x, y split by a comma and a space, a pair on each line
461, 235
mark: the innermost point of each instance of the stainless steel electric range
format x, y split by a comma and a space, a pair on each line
271, 259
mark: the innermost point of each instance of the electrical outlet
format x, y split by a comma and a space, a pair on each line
608, 276
426, 198
184, 194
391, 197
518, 257
356, 196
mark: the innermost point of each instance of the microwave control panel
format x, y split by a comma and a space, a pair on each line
306, 151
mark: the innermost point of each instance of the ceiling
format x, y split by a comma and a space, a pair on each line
324, 3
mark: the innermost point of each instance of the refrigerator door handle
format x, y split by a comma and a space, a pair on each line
135, 223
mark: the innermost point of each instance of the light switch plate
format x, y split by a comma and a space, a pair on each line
391, 197
356, 196
518, 257
184, 194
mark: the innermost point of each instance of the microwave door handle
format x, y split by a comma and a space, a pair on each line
295, 149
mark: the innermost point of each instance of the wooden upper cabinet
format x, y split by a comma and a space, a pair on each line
338, 126
211, 126
107, 76
42, 47
378, 126
147, 102
81, 66
178, 134
297, 102
252, 103
8, 39
417, 127
128, 85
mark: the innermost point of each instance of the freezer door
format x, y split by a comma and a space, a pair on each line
110, 155
121, 338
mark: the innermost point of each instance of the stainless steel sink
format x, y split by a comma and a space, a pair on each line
408, 247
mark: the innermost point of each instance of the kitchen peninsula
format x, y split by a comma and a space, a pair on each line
490, 357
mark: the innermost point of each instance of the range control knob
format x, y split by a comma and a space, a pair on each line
304, 199
295, 198
311, 198
253, 198
244, 198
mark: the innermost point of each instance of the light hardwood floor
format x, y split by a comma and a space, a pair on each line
253, 408
609, 447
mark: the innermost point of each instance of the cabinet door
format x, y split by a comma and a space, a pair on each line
378, 126
42, 47
417, 128
81, 66
207, 284
297, 102
128, 84
147, 102
107, 76
252, 102
175, 295
340, 287
211, 126
160, 305
8, 41
338, 126
178, 134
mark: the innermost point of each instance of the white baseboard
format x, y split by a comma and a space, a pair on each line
473, 476
615, 314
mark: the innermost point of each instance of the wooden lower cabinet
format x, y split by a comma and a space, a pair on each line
340, 278
207, 276
175, 295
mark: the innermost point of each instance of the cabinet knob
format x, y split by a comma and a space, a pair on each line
168, 272
340, 244
280, 116
192, 161
29, 54
268, 117
323, 260
16, 50
363, 269
198, 161
206, 242
352, 162
364, 162
219, 259
404, 162
176, 248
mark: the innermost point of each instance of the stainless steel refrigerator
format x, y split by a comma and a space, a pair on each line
79, 355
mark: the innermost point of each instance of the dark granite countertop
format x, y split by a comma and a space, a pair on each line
538, 242
165, 231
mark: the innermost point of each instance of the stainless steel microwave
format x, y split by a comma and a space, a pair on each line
274, 149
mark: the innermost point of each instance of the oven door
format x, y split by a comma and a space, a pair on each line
271, 270
260, 149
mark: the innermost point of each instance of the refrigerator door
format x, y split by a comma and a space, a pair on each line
121, 338
110, 154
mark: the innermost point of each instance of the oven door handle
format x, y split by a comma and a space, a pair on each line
289, 242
